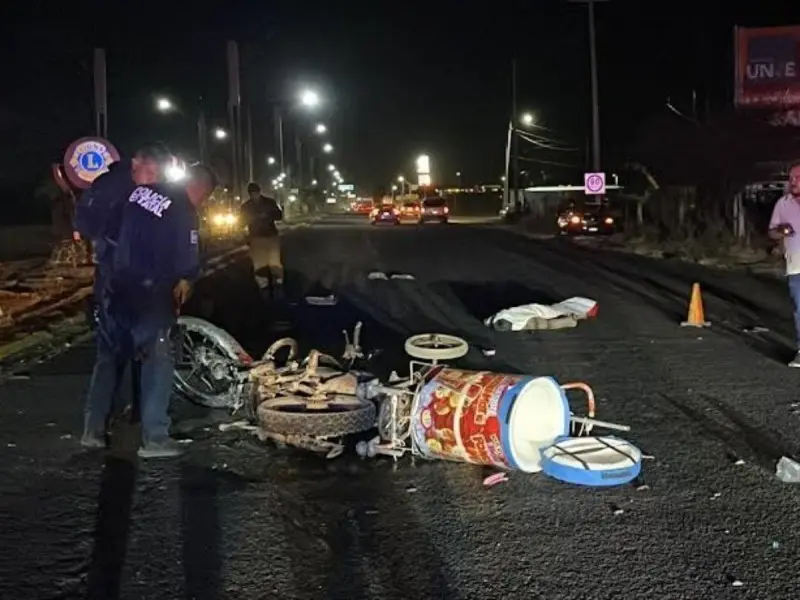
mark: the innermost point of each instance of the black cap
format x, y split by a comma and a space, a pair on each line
253, 187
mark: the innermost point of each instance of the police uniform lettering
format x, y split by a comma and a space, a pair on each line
150, 200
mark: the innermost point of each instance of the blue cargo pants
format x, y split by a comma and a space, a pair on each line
121, 340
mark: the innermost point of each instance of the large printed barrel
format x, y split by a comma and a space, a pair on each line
488, 418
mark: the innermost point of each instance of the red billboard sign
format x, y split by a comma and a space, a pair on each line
768, 67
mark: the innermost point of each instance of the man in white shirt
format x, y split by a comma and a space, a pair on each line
785, 227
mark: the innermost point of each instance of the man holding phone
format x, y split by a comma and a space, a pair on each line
784, 227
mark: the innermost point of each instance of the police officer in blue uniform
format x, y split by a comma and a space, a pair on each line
98, 216
149, 276
155, 262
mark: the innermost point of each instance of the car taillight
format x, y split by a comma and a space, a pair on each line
395, 212
609, 220
446, 210
575, 219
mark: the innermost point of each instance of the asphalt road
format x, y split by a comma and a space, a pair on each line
714, 408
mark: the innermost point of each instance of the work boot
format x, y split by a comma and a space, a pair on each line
166, 448
93, 440
795, 362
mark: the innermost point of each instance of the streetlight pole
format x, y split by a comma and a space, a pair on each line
202, 134
514, 145
100, 93
249, 146
595, 92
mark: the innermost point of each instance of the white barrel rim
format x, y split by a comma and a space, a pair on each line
592, 461
524, 445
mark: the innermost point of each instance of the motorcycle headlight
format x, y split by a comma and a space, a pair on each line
231, 219
218, 219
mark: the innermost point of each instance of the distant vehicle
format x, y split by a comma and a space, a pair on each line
410, 211
363, 207
434, 209
575, 221
386, 213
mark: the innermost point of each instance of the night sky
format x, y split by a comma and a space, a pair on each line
398, 78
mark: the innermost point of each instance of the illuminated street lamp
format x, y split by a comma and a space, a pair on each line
314, 182
402, 181
270, 160
327, 148
309, 99
164, 104
527, 119
331, 168
220, 133
320, 129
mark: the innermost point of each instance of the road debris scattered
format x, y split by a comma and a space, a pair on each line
755, 330
788, 470
495, 479
238, 426
329, 300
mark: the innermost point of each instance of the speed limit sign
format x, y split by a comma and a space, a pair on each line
594, 184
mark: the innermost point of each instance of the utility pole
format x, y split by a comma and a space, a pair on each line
512, 125
234, 114
298, 147
595, 93
249, 149
278, 124
202, 132
100, 94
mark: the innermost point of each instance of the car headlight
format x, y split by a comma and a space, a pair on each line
574, 219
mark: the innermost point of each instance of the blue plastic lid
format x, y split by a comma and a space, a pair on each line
592, 461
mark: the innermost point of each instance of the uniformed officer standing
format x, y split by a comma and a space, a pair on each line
98, 216
156, 259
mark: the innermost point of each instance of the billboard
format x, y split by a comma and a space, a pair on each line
767, 67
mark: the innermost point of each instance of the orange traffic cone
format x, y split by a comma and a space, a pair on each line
696, 317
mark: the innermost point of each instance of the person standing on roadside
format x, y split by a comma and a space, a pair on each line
155, 263
784, 226
261, 214
98, 215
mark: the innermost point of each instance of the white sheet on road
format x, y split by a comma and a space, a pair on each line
520, 316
